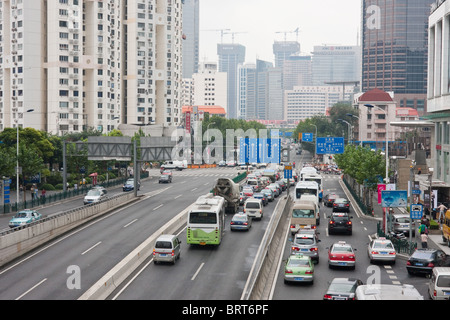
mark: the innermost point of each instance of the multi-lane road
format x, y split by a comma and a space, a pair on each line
68, 266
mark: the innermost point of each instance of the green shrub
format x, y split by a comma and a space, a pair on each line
59, 186
47, 186
434, 225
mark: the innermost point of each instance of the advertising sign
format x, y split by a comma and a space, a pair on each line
394, 199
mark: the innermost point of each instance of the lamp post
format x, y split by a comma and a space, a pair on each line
315, 143
348, 130
387, 141
430, 170
17, 160
359, 129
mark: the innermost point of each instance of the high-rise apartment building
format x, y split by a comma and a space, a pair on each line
191, 38
209, 86
247, 91
230, 56
394, 49
90, 64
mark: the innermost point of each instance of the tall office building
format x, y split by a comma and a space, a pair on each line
230, 56
394, 49
191, 37
282, 50
335, 64
297, 71
83, 64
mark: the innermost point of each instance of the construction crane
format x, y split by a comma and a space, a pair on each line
296, 31
222, 32
232, 35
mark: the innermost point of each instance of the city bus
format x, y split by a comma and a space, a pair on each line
306, 188
317, 178
206, 221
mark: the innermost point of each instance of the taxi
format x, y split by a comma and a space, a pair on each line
24, 217
299, 268
341, 254
381, 249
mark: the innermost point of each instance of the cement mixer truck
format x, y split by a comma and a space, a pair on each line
229, 190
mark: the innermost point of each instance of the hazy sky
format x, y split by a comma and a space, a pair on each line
332, 22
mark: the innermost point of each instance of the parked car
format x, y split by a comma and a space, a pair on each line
165, 178
400, 224
24, 217
341, 205
328, 200
129, 185
422, 261
342, 289
240, 221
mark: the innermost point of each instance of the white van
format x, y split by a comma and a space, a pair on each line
310, 197
439, 286
387, 292
167, 249
254, 208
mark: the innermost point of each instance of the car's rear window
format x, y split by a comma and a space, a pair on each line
163, 245
252, 205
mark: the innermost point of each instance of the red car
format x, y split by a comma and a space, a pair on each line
341, 254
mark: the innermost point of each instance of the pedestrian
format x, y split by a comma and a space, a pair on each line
32, 192
424, 239
43, 192
442, 209
423, 228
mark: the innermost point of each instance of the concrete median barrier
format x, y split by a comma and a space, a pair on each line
18, 241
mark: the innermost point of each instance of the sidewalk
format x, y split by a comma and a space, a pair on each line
434, 240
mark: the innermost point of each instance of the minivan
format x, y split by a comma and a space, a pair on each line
254, 208
439, 285
167, 249
400, 223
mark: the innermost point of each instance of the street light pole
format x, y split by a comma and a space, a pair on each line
348, 130
17, 160
359, 129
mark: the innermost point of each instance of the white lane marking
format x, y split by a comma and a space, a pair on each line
198, 270
129, 223
32, 288
178, 196
91, 248
158, 207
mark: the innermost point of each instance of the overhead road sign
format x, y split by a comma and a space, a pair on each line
307, 137
329, 145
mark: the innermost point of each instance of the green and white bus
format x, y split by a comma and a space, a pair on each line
206, 221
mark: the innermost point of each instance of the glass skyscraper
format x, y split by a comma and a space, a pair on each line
394, 49
191, 37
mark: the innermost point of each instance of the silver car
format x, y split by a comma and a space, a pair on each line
167, 249
400, 223
241, 221
381, 249
307, 244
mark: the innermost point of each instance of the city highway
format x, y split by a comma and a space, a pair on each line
92, 250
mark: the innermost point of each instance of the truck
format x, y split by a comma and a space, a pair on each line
270, 173
303, 215
229, 190
174, 164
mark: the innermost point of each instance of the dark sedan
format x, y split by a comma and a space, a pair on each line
423, 261
328, 200
262, 197
341, 205
342, 289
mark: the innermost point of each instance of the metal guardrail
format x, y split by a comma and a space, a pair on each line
55, 197
28, 225
400, 245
